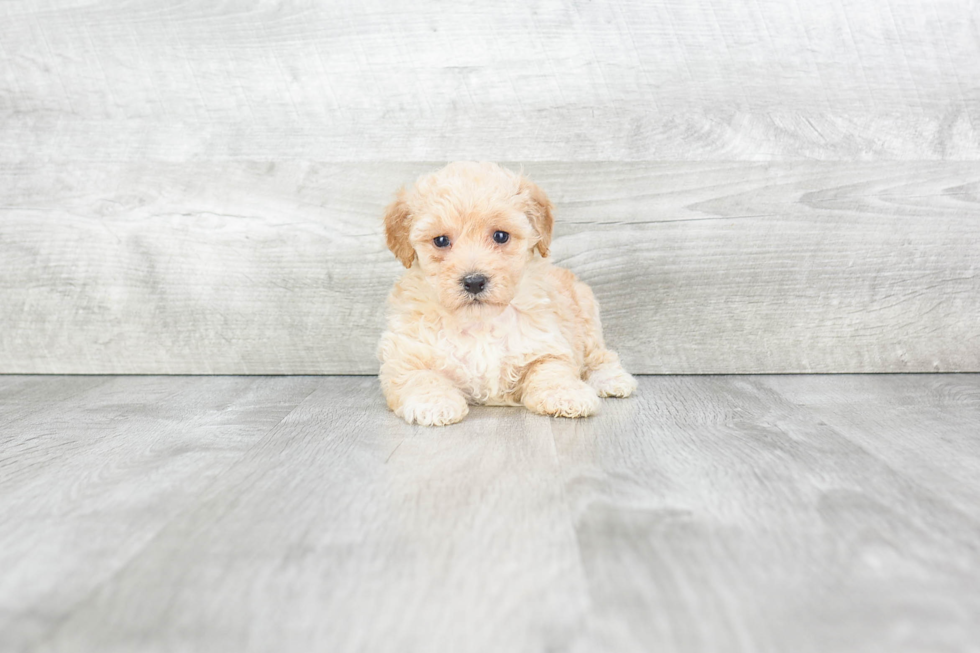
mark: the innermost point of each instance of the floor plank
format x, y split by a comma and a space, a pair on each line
928, 428
716, 515
804, 513
89, 478
344, 526
25, 395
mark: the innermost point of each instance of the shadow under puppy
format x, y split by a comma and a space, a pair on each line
482, 316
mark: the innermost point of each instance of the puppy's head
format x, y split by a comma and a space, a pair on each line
472, 227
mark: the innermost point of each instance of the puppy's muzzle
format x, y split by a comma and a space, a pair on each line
474, 284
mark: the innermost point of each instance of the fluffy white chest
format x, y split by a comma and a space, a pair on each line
485, 359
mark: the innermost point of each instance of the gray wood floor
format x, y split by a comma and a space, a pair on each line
779, 513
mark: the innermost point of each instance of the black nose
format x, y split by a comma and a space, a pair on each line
474, 284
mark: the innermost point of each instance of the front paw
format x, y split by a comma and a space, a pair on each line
433, 409
612, 381
575, 399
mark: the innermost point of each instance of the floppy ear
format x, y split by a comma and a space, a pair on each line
539, 212
398, 221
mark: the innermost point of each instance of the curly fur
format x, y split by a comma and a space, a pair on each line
532, 338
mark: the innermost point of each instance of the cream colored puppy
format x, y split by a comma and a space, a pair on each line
482, 316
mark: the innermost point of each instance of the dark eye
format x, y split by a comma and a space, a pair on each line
441, 241
500, 237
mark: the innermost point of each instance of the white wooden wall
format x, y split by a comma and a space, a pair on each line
765, 186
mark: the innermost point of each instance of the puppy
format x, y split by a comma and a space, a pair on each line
482, 316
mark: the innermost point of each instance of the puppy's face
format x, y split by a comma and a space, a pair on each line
472, 228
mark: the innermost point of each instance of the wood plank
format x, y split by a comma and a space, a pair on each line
23, 396
900, 419
261, 268
89, 479
382, 80
715, 514
345, 529
703, 514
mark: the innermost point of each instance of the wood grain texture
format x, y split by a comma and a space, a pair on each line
381, 80
717, 514
93, 468
196, 189
758, 514
343, 529
262, 268
884, 415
